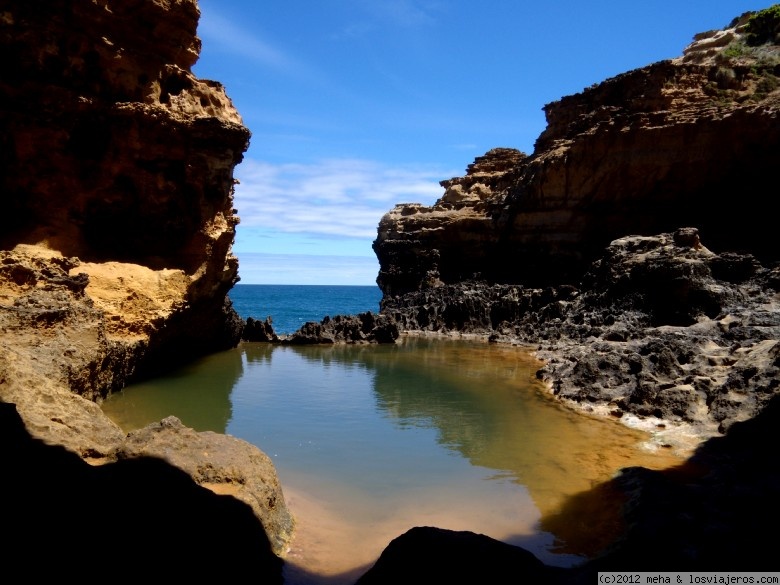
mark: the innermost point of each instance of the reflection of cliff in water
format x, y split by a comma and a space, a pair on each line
198, 395
486, 404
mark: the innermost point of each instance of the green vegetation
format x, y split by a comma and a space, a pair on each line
763, 26
753, 47
735, 50
766, 85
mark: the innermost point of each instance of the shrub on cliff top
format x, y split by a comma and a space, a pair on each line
763, 26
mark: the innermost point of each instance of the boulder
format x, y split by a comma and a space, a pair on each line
425, 555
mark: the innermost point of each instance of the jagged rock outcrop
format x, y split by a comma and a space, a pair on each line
116, 168
662, 331
262, 331
689, 141
365, 327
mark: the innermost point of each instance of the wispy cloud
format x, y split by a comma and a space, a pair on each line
384, 14
343, 198
260, 268
223, 34
407, 13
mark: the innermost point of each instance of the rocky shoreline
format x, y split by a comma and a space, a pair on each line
662, 333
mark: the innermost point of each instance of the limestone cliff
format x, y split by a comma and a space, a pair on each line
117, 172
116, 168
690, 141
113, 152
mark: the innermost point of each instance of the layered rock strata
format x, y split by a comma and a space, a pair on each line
688, 141
116, 167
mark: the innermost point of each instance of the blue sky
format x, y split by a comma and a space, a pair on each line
356, 105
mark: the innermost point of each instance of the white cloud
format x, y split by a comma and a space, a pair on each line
342, 198
260, 268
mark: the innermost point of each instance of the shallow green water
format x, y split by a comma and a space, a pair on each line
369, 441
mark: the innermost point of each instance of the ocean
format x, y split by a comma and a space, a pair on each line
292, 305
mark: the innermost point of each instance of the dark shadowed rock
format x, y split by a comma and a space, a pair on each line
139, 518
715, 512
661, 328
362, 328
222, 463
427, 555
256, 330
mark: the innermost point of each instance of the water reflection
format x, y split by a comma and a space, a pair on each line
377, 439
198, 394
484, 402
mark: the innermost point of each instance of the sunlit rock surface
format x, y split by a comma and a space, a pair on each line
691, 141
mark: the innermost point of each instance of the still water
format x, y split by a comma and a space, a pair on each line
369, 441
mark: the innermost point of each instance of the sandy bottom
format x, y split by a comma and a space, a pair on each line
339, 534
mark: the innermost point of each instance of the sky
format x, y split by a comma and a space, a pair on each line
358, 105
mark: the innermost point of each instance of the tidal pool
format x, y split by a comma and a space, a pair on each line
369, 441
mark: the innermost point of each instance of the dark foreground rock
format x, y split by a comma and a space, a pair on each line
222, 463
141, 519
426, 555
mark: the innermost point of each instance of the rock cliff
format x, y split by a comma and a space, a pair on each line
579, 251
689, 141
580, 248
116, 167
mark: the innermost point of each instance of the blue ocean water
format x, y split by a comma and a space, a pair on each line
292, 305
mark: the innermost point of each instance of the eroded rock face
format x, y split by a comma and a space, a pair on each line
690, 141
114, 153
662, 331
116, 168
117, 173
